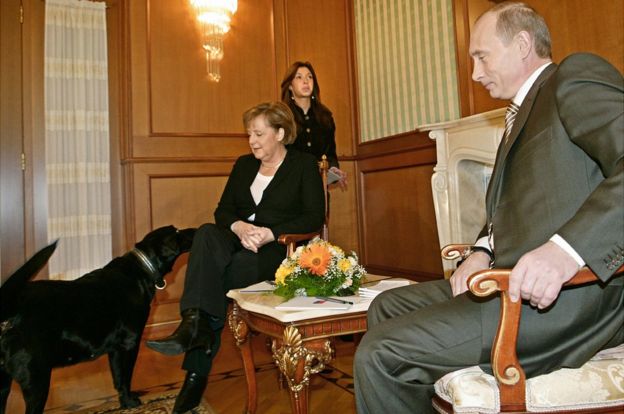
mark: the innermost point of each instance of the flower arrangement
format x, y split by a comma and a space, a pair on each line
319, 269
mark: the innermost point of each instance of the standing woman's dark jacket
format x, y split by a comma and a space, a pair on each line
315, 133
293, 202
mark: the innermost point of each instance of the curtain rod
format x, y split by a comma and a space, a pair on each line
94, 1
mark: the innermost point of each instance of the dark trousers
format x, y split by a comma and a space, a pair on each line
416, 334
217, 263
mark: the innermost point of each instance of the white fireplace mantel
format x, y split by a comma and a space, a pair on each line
466, 150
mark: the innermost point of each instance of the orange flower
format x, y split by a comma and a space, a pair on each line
315, 258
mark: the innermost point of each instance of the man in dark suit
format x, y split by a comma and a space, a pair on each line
554, 204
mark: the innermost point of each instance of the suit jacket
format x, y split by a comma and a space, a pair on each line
561, 172
313, 136
293, 202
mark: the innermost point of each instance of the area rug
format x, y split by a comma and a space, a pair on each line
152, 404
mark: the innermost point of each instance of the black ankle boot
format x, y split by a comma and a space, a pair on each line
193, 332
191, 393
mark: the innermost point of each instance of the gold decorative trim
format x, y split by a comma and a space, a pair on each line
239, 328
293, 353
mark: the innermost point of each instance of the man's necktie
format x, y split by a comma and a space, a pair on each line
510, 116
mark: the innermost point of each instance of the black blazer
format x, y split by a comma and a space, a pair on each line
293, 202
315, 137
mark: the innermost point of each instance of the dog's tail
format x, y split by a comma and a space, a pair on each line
27, 271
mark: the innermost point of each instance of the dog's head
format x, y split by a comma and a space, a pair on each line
160, 248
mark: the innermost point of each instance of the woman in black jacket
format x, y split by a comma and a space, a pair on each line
272, 191
315, 123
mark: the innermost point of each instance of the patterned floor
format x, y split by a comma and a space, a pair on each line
168, 391
342, 379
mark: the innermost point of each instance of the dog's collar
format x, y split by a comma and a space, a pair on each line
149, 266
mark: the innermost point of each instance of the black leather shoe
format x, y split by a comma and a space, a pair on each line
191, 393
193, 332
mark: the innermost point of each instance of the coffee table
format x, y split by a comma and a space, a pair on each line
300, 340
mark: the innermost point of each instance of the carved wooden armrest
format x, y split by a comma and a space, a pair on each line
455, 251
505, 366
291, 240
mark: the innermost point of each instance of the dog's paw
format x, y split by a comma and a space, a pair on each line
131, 401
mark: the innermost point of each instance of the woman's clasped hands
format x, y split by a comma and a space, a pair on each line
252, 237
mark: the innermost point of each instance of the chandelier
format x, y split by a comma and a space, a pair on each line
214, 18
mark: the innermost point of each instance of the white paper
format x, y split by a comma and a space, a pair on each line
332, 177
372, 291
260, 287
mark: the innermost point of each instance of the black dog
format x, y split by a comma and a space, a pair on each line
46, 324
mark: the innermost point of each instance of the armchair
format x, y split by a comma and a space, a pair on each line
471, 390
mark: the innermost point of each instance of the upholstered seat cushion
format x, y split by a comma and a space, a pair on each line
598, 383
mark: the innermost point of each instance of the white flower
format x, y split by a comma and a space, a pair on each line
347, 283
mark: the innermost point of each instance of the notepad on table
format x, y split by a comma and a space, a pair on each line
311, 302
383, 285
264, 286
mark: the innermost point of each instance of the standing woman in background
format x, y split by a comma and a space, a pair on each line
315, 124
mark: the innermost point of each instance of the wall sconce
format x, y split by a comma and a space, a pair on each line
214, 18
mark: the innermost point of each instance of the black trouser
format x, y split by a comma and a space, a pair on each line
217, 263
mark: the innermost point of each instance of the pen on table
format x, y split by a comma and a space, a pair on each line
346, 302
256, 290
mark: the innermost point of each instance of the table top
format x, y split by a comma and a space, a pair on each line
265, 303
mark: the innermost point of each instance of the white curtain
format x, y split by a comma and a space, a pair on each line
77, 136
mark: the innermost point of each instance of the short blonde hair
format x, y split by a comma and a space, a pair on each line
278, 115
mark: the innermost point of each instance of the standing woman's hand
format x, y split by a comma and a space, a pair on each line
342, 182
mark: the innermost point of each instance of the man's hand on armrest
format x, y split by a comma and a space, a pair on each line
539, 275
475, 262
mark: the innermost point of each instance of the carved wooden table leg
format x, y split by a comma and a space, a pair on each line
241, 333
298, 361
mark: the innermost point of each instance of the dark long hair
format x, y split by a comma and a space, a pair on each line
322, 114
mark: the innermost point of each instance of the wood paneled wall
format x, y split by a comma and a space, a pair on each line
11, 133
398, 228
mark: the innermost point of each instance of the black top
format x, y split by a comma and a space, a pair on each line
314, 137
293, 202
